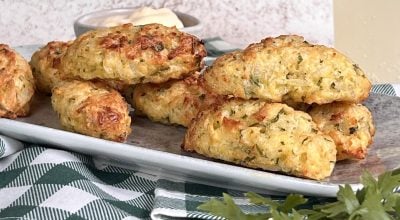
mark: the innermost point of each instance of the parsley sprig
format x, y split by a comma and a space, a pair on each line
377, 199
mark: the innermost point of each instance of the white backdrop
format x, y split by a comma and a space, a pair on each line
240, 22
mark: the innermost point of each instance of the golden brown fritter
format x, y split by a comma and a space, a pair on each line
173, 102
349, 125
16, 84
134, 54
45, 65
270, 136
92, 109
287, 68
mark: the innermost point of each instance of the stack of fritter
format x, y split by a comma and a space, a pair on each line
251, 124
282, 104
86, 75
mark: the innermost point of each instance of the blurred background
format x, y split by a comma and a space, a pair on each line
365, 30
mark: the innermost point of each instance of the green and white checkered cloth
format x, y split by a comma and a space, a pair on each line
37, 182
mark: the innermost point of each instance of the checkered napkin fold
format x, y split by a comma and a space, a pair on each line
37, 182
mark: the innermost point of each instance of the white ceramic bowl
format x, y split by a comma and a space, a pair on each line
86, 22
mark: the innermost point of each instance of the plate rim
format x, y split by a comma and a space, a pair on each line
280, 183
169, 162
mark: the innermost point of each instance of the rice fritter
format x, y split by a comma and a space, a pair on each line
45, 65
92, 109
134, 54
173, 102
350, 126
270, 136
17, 86
288, 68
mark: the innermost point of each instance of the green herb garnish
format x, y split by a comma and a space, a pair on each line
282, 111
255, 80
299, 58
377, 199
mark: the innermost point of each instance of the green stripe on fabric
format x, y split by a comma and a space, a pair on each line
83, 169
169, 203
2, 147
145, 201
36, 195
25, 157
96, 175
31, 174
8, 176
109, 178
137, 183
200, 215
171, 185
88, 186
200, 189
385, 89
138, 212
47, 213
16, 211
45, 179
82, 158
60, 174
113, 169
100, 209
74, 217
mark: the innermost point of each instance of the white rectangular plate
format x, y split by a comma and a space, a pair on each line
157, 147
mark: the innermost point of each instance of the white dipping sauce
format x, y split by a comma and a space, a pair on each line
144, 16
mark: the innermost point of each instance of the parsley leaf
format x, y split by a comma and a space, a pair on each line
348, 198
260, 200
378, 199
291, 201
276, 215
228, 209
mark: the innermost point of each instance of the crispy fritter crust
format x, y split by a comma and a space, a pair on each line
17, 86
288, 68
173, 102
134, 54
92, 109
270, 136
349, 125
45, 65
